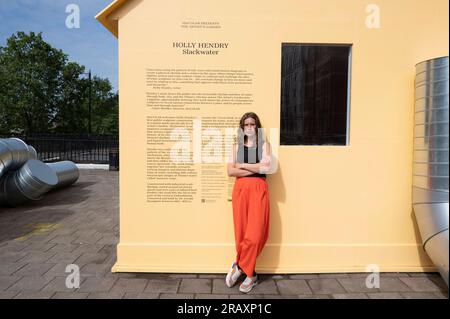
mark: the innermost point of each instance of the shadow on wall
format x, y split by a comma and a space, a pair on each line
277, 194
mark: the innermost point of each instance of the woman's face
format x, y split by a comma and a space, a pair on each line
250, 126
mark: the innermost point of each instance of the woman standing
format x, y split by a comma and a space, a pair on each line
250, 160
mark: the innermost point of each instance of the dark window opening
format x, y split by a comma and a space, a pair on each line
314, 94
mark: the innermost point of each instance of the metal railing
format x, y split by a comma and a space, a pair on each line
93, 149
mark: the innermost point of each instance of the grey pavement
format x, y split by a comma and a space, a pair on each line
79, 225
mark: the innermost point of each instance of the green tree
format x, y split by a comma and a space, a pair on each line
104, 111
70, 114
41, 91
30, 77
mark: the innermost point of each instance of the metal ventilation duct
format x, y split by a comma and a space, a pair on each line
67, 172
14, 153
24, 178
30, 182
431, 155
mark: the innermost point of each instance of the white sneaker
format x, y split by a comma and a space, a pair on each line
233, 275
248, 284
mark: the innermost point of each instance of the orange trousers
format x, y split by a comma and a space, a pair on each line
251, 216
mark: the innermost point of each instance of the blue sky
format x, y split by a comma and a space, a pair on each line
91, 45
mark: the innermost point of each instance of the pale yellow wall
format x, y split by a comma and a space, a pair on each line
333, 208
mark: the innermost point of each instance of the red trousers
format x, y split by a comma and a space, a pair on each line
251, 215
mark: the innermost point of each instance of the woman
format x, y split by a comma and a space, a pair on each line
250, 160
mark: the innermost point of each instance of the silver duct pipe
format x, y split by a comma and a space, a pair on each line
66, 171
30, 182
33, 152
14, 153
431, 155
24, 178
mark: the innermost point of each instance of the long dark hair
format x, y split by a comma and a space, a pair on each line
242, 138
258, 132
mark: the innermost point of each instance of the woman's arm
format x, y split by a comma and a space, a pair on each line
263, 166
239, 172
232, 167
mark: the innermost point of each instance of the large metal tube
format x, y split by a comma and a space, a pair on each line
14, 153
431, 156
30, 182
32, 151
5, 157
66, 171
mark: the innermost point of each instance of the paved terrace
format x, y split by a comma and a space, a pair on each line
80, 225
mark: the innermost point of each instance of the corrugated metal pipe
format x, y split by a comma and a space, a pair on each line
431, 154
24, 178
66, 171
14, 153
30, 182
